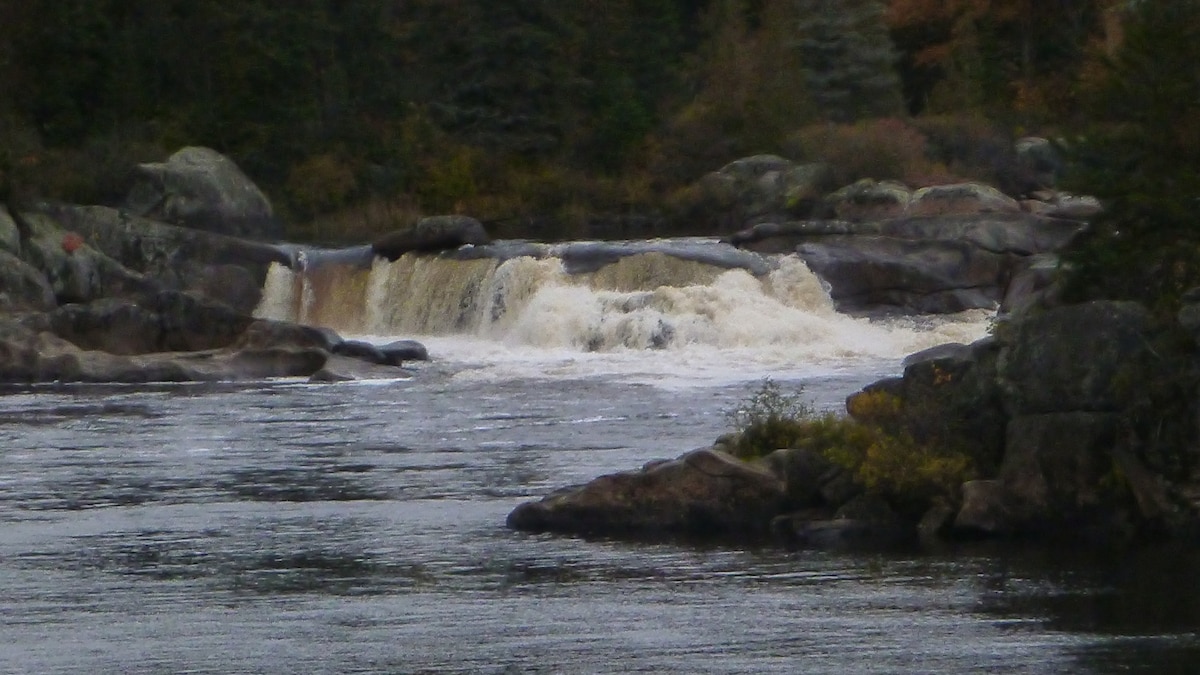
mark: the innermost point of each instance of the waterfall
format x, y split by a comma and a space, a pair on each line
555, 298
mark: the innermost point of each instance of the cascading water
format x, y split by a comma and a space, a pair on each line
761, 313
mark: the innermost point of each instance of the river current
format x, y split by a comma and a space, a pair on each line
358, 527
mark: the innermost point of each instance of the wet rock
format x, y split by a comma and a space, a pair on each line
435, 233
987, 510
227, 269
703, 493
797, 531
404, 350
364, 351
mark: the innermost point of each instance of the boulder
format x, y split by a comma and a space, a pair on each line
949, 395
167, 321
201, 188
404, 350
22, 287
1083, 357
1055, 464
363, 351
770, 187
784, 237
960, 199
75, 271
1041, 161
435, 233
1032, 282
702, 493
869, 199
810, 479
987, 510
1020, 234
918, 276
227, 269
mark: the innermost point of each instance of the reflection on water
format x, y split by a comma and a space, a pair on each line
281, 527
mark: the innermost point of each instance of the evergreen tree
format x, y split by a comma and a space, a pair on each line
1141, 155
849, 58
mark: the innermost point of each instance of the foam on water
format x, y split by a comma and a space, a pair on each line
648, 318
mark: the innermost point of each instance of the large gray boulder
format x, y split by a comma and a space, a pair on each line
227, 269
703, 493
1083, 357
22, 287
919, 276
869, 199
755, 189
201, 188
435, 233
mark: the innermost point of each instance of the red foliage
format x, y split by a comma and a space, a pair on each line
71, 242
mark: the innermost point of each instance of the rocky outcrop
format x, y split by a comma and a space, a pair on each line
436, 233
702, 493
1058, 417
224, 268
927, 277
1069, 407
960, 199
923, 264
760, 188
29, 355
200, 188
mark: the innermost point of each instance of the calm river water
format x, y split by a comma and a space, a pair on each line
283, 527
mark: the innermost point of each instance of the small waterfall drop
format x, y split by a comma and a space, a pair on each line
633, 301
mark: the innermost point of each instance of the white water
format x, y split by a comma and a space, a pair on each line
647, 318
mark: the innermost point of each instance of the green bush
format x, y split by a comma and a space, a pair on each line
876, 447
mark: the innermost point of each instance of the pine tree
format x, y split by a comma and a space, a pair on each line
849, 58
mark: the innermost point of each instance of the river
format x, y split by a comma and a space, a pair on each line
358, 527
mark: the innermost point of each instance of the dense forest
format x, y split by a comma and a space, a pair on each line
357, 114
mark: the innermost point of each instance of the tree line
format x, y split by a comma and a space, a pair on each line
507, 108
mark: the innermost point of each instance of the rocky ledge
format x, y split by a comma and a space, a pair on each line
1074, 422
97, 294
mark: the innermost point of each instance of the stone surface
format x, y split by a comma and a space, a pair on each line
920, 276
870, 200
1054, 463
1084, 357
201, 188
22, 287
225, 268
960, 198
810, 479
435, 233
987, 510
702, 493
